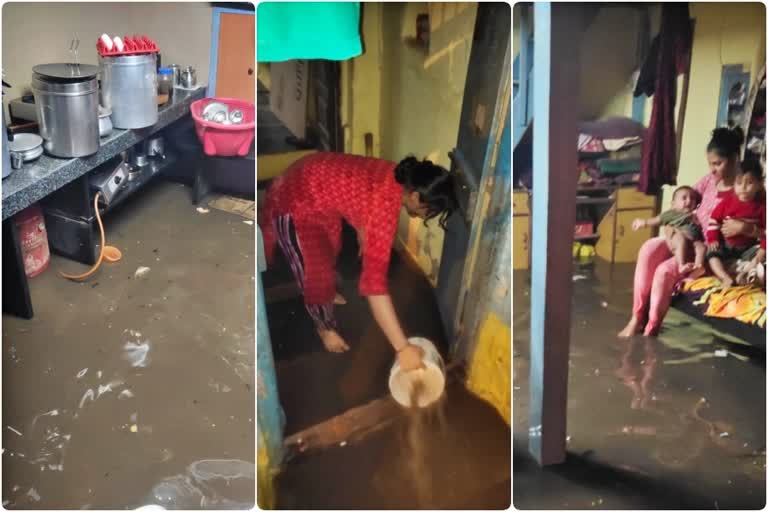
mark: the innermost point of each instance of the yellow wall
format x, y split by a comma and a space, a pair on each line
732, 33
361, 87
489, 371
607, 61
421, 98
265, 494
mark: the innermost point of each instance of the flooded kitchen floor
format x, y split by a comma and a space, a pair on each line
126, 391
650, 425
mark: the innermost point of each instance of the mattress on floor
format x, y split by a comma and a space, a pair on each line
739, 311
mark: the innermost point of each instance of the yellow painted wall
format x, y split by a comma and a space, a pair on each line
490, 367
726, 33
421, 99
265, 494
361, 86
607, 61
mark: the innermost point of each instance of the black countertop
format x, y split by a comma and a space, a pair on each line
47, 174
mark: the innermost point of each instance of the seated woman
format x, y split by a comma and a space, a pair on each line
657, 272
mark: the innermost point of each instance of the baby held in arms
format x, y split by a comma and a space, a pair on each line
682, 230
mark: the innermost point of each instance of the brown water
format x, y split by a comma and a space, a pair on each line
123, 391
454, 454
652, 422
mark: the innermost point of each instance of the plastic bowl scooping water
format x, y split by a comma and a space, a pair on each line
430, 379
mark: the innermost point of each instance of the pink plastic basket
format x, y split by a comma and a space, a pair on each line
221, 139
132, 46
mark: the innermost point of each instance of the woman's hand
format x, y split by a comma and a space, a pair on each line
410, 357
713, 246
733, 227
638, 224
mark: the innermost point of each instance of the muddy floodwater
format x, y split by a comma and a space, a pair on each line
125, 391
652, 422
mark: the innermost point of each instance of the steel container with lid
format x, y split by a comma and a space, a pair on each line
129, 89
67, 104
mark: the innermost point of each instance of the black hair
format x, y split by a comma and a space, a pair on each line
434, 184
752, 167
726, 142
694, 193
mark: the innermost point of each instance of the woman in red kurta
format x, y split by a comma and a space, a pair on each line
303, 211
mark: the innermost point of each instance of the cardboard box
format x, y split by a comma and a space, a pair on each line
288, 95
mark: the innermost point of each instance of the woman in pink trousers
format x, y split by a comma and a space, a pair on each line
656, 272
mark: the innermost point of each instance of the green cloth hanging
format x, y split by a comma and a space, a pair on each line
308, 30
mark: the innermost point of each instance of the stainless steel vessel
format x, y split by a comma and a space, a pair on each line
67, 103
129, 89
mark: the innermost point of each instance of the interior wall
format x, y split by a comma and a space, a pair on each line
38, 33
726, 33
608, 58
421, 99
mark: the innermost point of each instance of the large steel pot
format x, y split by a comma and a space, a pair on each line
129, 89
67, 103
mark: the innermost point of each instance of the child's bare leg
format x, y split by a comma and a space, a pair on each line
678, 244
716, 264
700, 251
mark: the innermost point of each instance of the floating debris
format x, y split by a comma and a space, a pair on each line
578, 277
32, 493
126, 393
725, 434
249, 222
82, 373
136, 353
141, 272
134, 428
721, 353
343, 443
88, 395
15, 431
200, 209
604, 304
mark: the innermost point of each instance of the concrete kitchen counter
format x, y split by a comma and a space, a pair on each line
40, 178
48, 177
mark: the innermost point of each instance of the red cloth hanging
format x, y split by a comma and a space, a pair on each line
658, 164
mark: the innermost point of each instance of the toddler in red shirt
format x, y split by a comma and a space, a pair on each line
747, 204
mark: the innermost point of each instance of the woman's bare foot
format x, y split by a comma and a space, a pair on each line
339, 299
650, 331
332, 341
632, 328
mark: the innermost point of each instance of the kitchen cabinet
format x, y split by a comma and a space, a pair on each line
233, 55
521, 230
618, 243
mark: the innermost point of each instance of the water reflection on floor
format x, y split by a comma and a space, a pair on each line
122, 391
652, 422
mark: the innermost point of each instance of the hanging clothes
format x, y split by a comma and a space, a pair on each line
659, 157
308, 30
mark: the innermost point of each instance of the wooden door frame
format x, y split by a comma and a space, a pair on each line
213, 61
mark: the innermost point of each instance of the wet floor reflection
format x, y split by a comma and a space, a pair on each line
679, 418
123, 392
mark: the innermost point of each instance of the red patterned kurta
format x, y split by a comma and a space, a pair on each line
318, 191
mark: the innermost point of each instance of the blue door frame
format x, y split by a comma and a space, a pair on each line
270, 419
